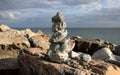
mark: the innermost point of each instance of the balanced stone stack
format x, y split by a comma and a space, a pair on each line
58, 48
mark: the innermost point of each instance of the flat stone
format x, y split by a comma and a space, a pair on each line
70, 45
40, 41
35, 51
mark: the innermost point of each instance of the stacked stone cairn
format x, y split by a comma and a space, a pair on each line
58, 48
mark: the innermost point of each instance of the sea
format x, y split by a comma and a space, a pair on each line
108, 34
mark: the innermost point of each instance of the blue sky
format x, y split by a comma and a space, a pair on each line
77, 13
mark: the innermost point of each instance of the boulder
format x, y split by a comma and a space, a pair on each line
89, 46
104, 54
4, 27
40, 41
12, 39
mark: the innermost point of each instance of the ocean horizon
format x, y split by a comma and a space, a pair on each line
108, 34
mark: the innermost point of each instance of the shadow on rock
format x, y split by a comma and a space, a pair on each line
8, 66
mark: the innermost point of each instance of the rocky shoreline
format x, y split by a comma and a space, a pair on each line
24, 52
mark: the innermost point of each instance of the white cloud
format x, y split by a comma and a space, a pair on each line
9, 15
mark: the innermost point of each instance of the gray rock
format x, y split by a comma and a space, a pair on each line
58, 18
78, 72
40, 41
80, 56
58, 36
75, 55
85, 57
103, 54
59, 57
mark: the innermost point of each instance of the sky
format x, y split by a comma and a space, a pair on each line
77, 13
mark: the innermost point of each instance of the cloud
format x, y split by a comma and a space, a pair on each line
78, 13
101, 18
9, 15
24, 4
78, 2
59, 4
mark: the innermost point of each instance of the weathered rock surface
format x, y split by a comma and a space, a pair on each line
27, 33
40, 41
35, 51
10, 43
33, 65
89, 46
12, 39
4, 27
102, 68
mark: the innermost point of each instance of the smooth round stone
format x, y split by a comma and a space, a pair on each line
85, 57
59, 57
